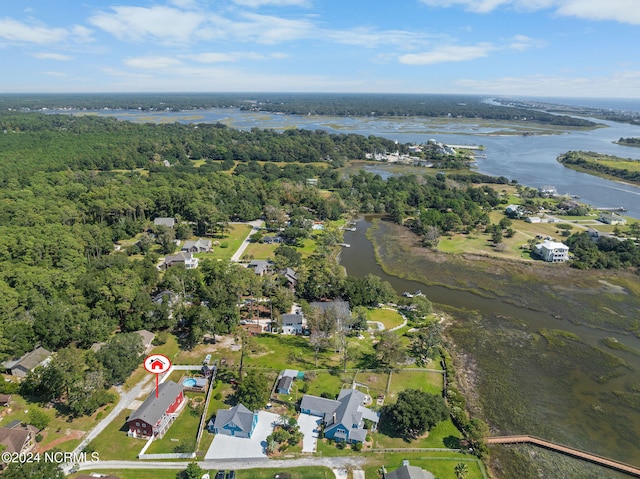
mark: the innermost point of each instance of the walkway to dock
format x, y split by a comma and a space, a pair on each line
569, 451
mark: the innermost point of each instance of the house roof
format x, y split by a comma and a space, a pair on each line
5, 398
168, 222
181, 257
153, 409
292, 318
408, 472
260, 266
200, 243
285, 382
293, 373
315, 403
32, 359
340, 307
147, 336
14, 439
239, 415
290, 274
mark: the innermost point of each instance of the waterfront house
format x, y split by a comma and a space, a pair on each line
407, 471
552, 251
611, 219
343, 418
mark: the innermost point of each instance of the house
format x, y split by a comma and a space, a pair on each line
201, 245
156, 414
547, 191
260, 266
272, 239
237, 422
166, 222
182, 258
28, 362
18, 439
292, 323
286, 381
343, 419
5, 399
317, 226
147, 338
533, 219
406, 471
290, 276
338, 307
611, 219
552, 251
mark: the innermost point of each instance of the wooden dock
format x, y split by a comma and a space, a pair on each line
569, 451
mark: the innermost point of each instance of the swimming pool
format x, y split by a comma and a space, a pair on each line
189, 382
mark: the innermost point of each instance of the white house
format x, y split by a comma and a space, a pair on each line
552, 251
187, 259
292, 323
611, 219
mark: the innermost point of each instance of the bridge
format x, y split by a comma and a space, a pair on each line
569, 451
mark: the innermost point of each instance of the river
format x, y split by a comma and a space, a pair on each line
531, 160
530, 386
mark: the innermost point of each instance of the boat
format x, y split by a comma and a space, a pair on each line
407, 294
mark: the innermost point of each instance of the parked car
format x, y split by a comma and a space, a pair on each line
220, 475
231, 475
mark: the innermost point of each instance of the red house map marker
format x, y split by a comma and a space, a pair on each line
157, 364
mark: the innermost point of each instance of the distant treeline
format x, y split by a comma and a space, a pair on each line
625, 169
463, 106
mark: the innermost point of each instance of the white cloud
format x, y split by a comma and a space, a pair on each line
448, 53
274, 3
55, 74
16, 31
152, 62
523, 42
623, 11
165, 24
213, 57
269, 29
51, 56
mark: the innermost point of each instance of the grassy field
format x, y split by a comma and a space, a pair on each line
440, 464
422, 380
182, 432
260, 250
390, 319
295, 473
229, 243
114, 444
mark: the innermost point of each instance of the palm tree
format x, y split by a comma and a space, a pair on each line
461, 470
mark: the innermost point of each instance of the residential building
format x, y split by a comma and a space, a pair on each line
182, 258
533, 219
291, 277
166, 222
28, 362
260, 266
237, 422
5, 399
286, 381
552, 251
611, 219
548, 191
292, 323
343, 419
338, 307
156, 414
407, 471
201, 245
513, 211
17, 439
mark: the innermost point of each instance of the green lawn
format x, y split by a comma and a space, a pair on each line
182, 431
422, 380
441, 465
260, 250
114, 444
229, 244
390, 319
324, 382
444, 434
295, 473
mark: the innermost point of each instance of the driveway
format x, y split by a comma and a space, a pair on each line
309, 426
228, 447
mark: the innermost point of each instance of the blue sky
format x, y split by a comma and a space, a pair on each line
580, 48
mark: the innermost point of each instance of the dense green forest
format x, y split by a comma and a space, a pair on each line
457, 106
629, 141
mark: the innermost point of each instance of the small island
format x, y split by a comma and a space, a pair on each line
606, 166
628, 141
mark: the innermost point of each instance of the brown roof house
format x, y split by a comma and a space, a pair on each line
20, 439
28, 362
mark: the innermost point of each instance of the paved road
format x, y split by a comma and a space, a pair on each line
255, 227
330, 462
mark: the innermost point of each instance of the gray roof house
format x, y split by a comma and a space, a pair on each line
201, 245
167, 222
407, 471
156, 414
343, 418
28, 362
237, 421
259, 266
292, 323
187, 259
341, 308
